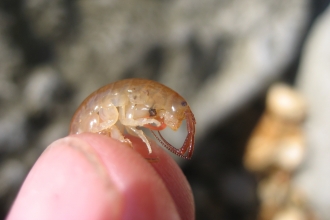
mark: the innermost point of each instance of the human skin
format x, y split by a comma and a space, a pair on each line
90, 176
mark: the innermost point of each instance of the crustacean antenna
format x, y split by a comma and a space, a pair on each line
188, 144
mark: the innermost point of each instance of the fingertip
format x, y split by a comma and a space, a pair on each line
68, 181
177, 185
172, 176
91, 176
161, 162
147, 195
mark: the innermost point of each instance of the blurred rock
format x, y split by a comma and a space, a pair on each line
10, 61
278, 141
218, 54
285, 103
314, 84
13, 135
291, 152
8, 90
55, 131
282, 200
275, 150
48, 19
12, 174
40, 88
10, 58
290, 214
273, 193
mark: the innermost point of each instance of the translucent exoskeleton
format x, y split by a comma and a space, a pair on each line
133, 103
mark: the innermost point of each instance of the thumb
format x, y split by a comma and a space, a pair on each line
92, 177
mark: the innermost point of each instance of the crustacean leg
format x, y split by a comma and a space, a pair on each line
108, 116
189, 142
131, 125
141, 135
115, 133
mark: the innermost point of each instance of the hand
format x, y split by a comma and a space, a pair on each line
90, 176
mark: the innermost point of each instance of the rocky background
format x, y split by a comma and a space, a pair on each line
221, 55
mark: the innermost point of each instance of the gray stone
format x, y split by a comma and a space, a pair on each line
314, 83
40, 88
11, 173
241, 47
12, 130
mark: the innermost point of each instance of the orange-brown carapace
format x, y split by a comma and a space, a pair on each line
133, 103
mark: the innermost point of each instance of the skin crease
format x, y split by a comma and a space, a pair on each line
90, 176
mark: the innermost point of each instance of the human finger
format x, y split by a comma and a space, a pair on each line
91, 176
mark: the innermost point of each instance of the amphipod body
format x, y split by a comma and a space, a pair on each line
133, 103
